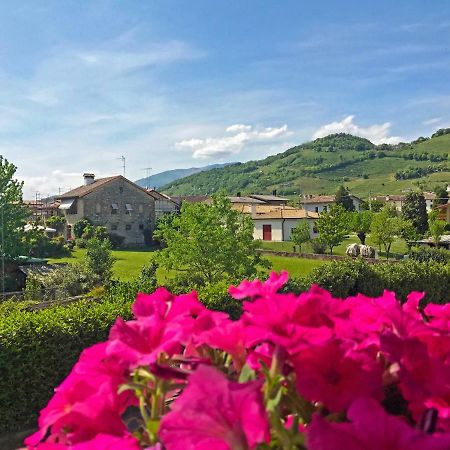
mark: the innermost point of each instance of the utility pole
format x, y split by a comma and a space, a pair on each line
122, 158
147, 177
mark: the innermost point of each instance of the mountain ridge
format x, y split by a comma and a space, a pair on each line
320, 166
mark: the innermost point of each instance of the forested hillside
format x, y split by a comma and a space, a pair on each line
322, 165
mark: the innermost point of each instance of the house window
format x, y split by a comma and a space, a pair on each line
114, 227
325, 209
121, 189
315, 230
141, 226
292, 230
128, 227
141, 209
128, 208
114, 208
316, 209
98, 208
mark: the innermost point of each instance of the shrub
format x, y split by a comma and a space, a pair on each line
425, 254
80, 226
99, 258
351, 276
81, 243
38, 349
116, 240
318, 247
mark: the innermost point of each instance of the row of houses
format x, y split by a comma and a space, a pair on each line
131, 211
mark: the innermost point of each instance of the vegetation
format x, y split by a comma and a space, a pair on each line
13, 213
360, 223
414, 209
301, 234
99, 259
332, 226
441, 196
209, 243
323, 165
343, 199
385, 229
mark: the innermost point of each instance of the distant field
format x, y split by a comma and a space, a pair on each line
129, 263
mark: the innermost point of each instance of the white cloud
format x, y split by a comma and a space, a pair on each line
230, 145
238, 127
432, 121
378, 133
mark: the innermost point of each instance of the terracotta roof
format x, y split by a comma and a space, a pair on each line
401, 198
190, 199
268, 198
158, 196
318, 199
286, 214
246, 200
81, 191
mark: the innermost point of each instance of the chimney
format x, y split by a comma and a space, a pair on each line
253, 210
89, 178
274, 192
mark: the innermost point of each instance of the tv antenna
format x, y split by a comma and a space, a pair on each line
147, 169
122, 158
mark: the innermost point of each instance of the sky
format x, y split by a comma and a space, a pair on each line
173, 84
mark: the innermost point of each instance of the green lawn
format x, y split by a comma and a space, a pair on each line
398, 248
129, 263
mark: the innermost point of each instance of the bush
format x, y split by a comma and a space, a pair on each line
99, 258
351, 276
38, 349
80, 226
425, 254
116, 240
318, 247
81, 243
63, 282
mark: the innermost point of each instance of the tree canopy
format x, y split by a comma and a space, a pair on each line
209, 243
343, 198
333, 226
415, 210
13, 213
301, 234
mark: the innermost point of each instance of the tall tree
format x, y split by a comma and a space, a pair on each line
360, 223
385, 229
209, 243
333, 226
415, 210
441, 196
343, 198
13, 213
301, 234
436, 227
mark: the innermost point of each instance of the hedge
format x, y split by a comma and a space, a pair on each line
38, 349
351, 276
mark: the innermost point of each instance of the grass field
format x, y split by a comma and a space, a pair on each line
398, 248
129, 263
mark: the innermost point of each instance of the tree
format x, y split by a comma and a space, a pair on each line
13, 213
343, 198
441, 196
415, 210
301, 234
436, 227
209, 243
385, 229
360, 223
56, 222
99, 258
408, 232
333, 226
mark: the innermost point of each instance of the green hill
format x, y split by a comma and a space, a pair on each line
322, 165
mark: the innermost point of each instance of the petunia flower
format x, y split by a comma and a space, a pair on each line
371, 428
214, 413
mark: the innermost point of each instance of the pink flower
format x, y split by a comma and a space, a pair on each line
371, 428
86, 403
214, 413
255, 288
336, 375
163, 304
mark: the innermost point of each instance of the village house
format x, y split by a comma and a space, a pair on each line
115, 202
275, 223
163, 204
397, 201
322, 203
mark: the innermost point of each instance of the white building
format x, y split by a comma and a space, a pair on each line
322, 203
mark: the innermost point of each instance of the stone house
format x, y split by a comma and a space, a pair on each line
117, 203
163, 204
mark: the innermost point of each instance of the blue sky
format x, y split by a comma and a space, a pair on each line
173, 84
